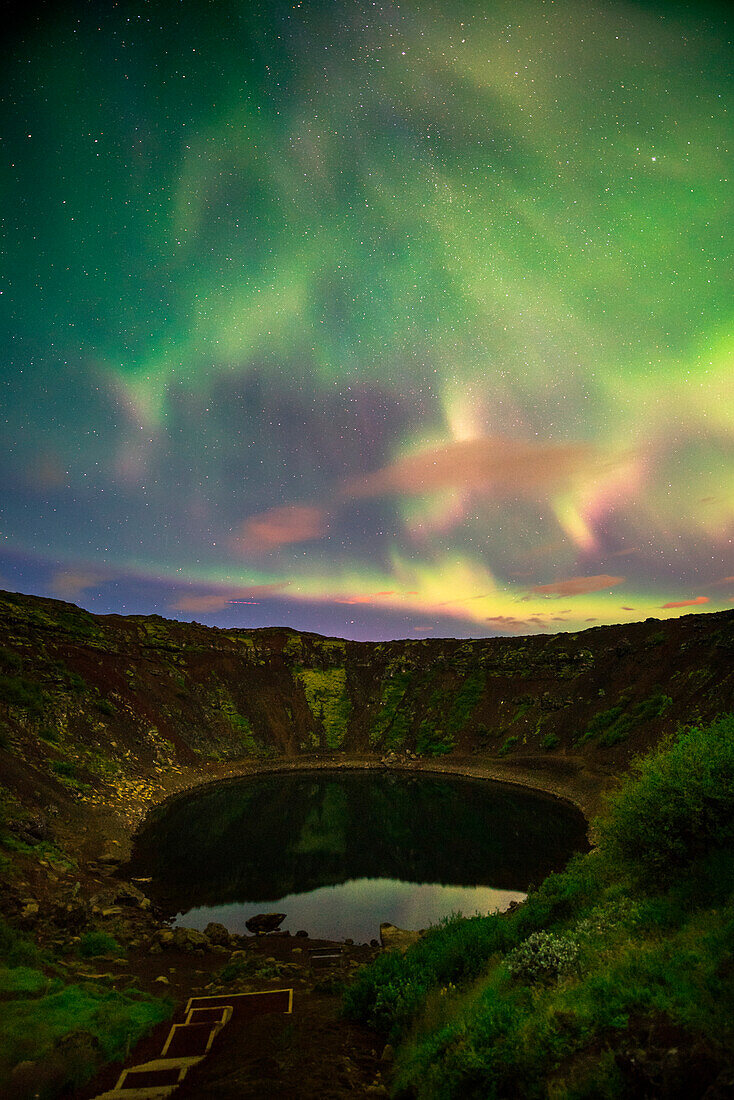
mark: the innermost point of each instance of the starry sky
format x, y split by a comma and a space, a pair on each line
376, 319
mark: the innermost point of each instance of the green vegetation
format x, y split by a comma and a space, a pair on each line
465, 702
615, 725
431, 741
250, 968
508, 745
21, 979
520, 712
436, 734
98, 943
60, 1032
391, 726
22, 692
553, 999
550, 741
328, 699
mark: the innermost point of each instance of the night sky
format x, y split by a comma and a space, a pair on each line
380, 320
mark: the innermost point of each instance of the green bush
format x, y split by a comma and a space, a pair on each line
432, 742
615, 724
550, 741
21, 692
677, 804
543, 957
21, 979
548, 1000
63, 1035
98, 943
508, 745
65, 768
17, 949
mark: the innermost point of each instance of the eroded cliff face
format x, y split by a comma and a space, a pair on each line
93, 706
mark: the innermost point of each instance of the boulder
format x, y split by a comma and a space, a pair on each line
397, 939
127, 894
265, 922
189, 939
217, 934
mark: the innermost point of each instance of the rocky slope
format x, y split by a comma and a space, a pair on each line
103, 716
95, 709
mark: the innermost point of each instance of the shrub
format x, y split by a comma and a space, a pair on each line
98, 943
65, 768
550, 741
61, 1036
19, 691
615, 725
15, 948
677, 805
432, 742
543, 957
508, 745
21, 979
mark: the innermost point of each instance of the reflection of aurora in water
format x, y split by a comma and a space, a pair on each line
260, 840
375, 320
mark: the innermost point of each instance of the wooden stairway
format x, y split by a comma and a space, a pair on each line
190, 1041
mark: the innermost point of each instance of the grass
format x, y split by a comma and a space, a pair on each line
328, 700
96, 943
636, 935
615, 724
61, 1033
386, 729
22, 692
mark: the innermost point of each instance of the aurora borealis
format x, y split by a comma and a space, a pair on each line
376, 319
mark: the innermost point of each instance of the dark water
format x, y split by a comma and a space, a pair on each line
341, 852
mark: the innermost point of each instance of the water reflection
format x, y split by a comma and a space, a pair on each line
367, 846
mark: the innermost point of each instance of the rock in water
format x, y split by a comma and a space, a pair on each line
264, 922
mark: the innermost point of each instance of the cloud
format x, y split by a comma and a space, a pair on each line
69, 584
686, 603
363, 599
209, 602
509, 622
280, 527
424, 628
623, 608
578, 586
494, 467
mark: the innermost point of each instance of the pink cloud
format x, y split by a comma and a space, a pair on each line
495, 467
362, 599
280, 527
69, 584
623, 608
204, 602
578, 586
687, 603
208, 603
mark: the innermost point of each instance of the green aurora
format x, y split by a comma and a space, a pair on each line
374, 319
